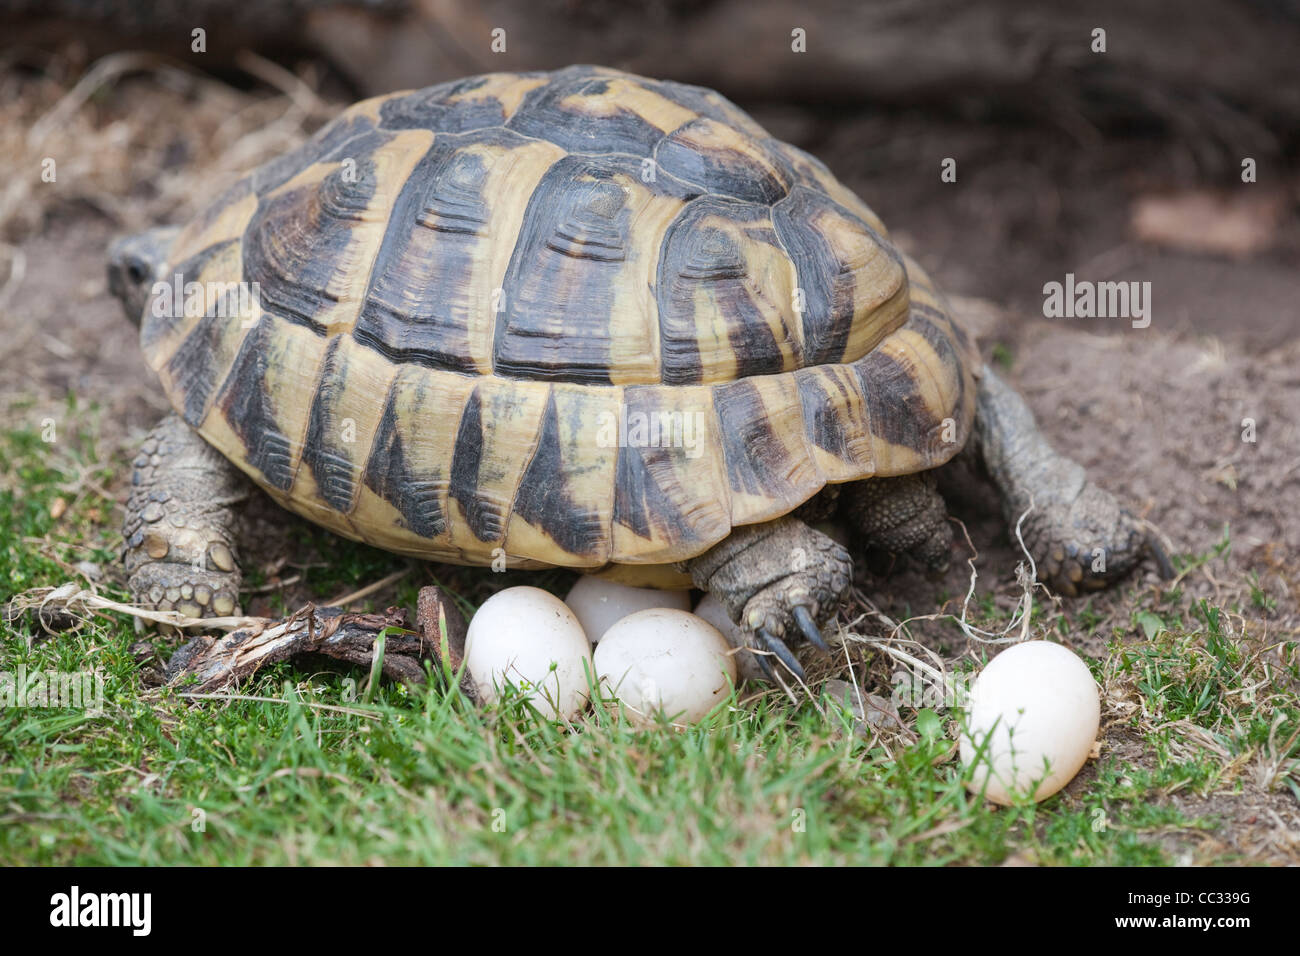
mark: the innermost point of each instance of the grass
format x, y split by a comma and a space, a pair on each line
320, 772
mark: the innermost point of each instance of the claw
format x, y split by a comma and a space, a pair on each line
1158, 553
783, 654
808, 626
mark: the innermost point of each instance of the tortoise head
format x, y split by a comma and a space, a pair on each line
135, 263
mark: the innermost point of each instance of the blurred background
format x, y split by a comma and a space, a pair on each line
1113, 155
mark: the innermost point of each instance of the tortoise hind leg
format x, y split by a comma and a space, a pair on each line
179, 540
905, 515
776, 581
1080, 537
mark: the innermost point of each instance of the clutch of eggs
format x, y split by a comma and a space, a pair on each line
651, 652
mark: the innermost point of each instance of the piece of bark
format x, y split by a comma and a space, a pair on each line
434, 607
222, 662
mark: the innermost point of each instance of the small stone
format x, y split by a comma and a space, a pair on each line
54, 620
173, 594
149, 447
189, 609
203, 594
155, 594
153, 512
187, 591
223, 603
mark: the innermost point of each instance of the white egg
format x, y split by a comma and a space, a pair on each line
665, 659
1036, 710
711, 609
516, 636
599, 603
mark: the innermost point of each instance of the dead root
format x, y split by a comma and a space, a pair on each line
387, 642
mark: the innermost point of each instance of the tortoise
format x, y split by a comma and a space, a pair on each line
579, 319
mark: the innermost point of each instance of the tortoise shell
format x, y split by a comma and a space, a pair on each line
577, 318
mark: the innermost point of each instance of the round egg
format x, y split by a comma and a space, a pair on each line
599, 603
711, 609
528, 637
663, 659
1036, 710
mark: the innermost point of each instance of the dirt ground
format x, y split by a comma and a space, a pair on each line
1155, 414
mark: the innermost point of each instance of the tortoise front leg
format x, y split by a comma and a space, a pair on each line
1081, 538
777, 581
179, 531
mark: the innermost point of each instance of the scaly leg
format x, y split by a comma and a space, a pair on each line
1079, 535
179, 548
777, 581
904, 515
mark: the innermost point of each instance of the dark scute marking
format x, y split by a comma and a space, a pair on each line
895, 407
331, 142
694, 253
454, 201
638, 499
827, 285
544, 499
936, 328
640, 503
324, 451
245, 402
724, 172
419, 306
822, 417
485, 518
388, 474
154, 326
939, 330
758, 462
756, 349
564, 275
193, 367
543, 115
432, 109
298, 240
